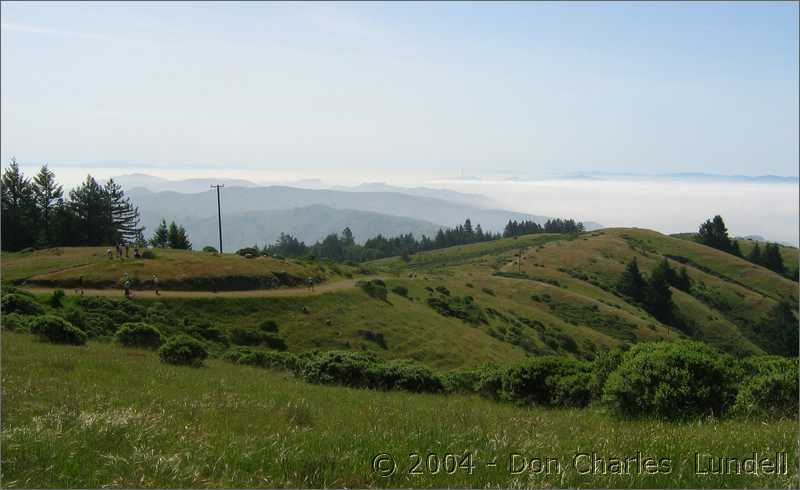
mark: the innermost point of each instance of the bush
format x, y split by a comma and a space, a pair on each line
273, 341
672, 380
249, 252
96, 324
549, 380
604, 364
22, 304
268, 326
463, 308
206, 331
57, 330
400, 291
769, 387
15, 322
183, 350
363, 370
139, 335
56, 298
263, 359
245, 336
210, 249
148, 254
375, 289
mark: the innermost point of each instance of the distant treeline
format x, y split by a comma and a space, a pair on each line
714, 233
35, 212
342, 246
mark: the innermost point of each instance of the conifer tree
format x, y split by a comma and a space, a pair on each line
160, 238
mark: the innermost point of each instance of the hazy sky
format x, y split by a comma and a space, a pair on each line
402, 90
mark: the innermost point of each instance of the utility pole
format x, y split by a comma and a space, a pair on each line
219, 215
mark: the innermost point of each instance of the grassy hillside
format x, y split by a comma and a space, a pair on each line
136, 423
465, 305
176, 269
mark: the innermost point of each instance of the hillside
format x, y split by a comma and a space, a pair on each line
189, 209
308, 224
465, 305
176, 269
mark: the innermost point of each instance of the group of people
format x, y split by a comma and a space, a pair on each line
126, 248
127, 285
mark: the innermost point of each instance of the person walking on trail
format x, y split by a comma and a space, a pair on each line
126, 285
310, 282
79, 287
127, 250
155, 284
110, 254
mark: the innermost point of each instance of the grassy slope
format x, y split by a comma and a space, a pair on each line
175, 268
563, 287
791, 255
135, 422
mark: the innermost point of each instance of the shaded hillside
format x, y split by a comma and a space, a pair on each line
307, 224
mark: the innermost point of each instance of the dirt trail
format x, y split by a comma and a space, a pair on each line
257, 293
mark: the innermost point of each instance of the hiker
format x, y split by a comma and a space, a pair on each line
126, 285
155, 284
119, 250
310, 282
127, 249
79, 287
136, 253
110, 254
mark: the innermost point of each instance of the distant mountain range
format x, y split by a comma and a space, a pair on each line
687, 177
258, 214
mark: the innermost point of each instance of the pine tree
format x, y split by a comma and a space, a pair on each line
772, 258
18, 209
177, 238
778, 331
632, 284
683, 282
47, 195
755, 255
160, 238
714, 233
122, 215
658, 297
89, 203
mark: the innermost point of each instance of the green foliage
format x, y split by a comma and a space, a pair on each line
778, 332
18, 303
603, 365
400, 291
549, 380
183, 350
55, 300
632, 283
210, 249
464, 308
139, 335
375, 289
55, 329
268, 326
254, 337
714, 233
769, 387
672, 380
263, 359
15, 322
248, 252
177, 237
363, 370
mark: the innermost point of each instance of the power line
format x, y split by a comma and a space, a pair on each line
219, 215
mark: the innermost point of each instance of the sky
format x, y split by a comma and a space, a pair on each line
400, 92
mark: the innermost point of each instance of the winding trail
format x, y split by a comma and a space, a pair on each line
252, 293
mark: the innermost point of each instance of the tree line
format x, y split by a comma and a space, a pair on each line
714, 233
528, 227
37, 213
342, 246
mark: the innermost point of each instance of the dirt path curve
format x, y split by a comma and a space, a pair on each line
253, 293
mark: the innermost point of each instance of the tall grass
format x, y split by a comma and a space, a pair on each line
103, 415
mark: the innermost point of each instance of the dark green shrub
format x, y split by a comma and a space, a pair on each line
273, 341
603, 365
22, 304
549, 380
148, 254
57, 330
400, 291
443, 290
97, 324
373, 336
209, 249
375, 289
769, 386
56, 298
339, 367
463, 308
208, 332
246, 336
248, 252
404, 375
264, 359
14, 322
139, 335
183, 350
268, 326
672, 380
